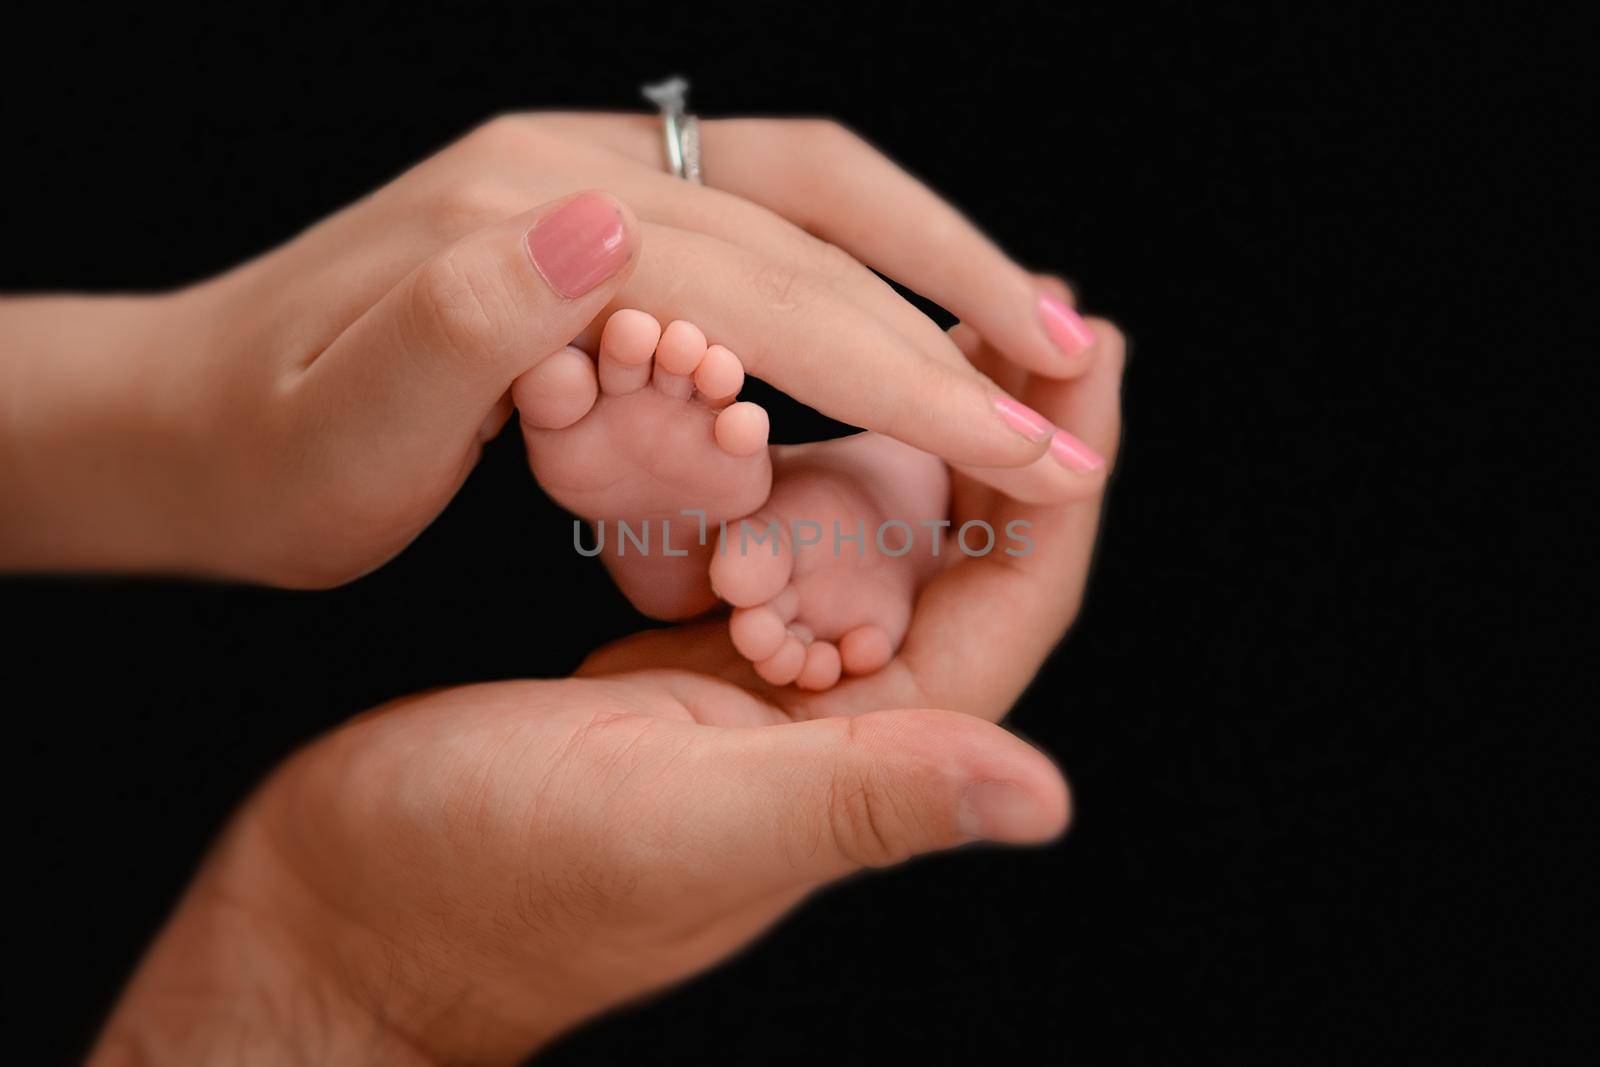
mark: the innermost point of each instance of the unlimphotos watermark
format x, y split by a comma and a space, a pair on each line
893, 537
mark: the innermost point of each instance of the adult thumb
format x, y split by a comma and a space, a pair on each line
439, 350
801, 803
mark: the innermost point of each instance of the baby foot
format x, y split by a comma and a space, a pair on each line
833, 597
640, 434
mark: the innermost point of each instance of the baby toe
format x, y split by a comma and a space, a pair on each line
720, 375
741, 429
865, 649
783, 666
558, 392
746, 571
626, 345
681, 348
821, 668
757, 632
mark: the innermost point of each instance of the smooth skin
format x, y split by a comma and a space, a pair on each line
662, 432
300, 419
811, 609
459, 876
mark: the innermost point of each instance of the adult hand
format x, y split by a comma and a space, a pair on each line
463, 874
298, 420
459, 876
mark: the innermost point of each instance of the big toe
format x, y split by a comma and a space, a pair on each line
753, 562
558, 392
626, 345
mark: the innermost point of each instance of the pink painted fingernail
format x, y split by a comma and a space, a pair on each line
1069, 332
1023, 419
579, 245
1073, 454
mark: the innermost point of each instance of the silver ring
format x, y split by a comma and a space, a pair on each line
680, 131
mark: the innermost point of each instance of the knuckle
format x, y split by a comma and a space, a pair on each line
933, 387
863, 821
783, 287
507, 132
454, 305
514, 139
471, 205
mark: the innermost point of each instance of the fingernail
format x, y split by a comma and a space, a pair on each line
1023, 419
999, 811
579, 245
1074, 455
1063, 326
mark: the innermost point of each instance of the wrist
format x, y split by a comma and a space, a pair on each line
97, 452
229, 979
282, 951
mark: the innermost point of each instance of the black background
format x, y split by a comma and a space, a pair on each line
1320, 710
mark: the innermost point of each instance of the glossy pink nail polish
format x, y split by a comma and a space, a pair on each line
1074, 455
1023, 419
579, 245
1063, 326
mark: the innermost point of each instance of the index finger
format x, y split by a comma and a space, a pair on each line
793, 331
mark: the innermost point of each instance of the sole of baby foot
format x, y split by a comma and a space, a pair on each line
823, 578
647, 443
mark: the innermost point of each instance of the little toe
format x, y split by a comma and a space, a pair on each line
720, 376
865, 649
821, 668
757, 632
741, 429
558, 392
626, 345
752, 564
783, 666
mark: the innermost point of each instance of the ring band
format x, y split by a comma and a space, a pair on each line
680, 131
689, 135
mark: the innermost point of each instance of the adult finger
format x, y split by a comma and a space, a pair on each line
984, 625
801, 803
835, 185
795, 332
1071, 470
662, 199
